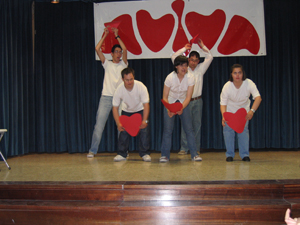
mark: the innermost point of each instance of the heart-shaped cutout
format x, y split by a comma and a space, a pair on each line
236, 120
112, 24
131, 123
174, 107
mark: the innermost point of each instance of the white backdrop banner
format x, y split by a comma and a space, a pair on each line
157, 28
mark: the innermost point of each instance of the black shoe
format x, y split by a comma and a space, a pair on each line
246, 159
229, 159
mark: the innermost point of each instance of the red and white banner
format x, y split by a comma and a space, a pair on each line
157, 28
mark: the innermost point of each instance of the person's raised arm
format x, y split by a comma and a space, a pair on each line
98, 46
124, 49
208, 57
180, 52
115, 111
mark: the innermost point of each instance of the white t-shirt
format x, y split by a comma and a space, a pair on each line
178, 89
112, 76
132, 100
199, 71
235, 98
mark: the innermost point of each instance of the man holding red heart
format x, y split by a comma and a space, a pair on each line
135, 99
235, 95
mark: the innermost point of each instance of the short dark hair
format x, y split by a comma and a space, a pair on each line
126, 71
116, 46
194, 53
237, 66
180, 60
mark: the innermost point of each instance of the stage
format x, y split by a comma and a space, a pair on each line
264, 165
72, 189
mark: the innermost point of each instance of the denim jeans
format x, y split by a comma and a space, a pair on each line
196, 114
104, 108
144, 140
186, 122
243, 141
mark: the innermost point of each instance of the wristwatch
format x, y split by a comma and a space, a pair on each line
146, 121
253, 110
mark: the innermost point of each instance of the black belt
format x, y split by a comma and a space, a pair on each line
192, 99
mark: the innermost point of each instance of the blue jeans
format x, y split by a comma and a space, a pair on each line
196, 114
104, 108
144, 140
243, 141
186, 122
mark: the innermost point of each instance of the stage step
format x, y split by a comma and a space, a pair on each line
223, 202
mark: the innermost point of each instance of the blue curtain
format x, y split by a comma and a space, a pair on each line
51, 106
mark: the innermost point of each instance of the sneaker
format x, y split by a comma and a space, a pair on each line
147, 158
119, 158
197, 158
229, 159
182, 152
246, 159
90, 155
163, 159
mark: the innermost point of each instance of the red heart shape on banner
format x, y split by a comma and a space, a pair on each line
131, 123
174, 107
236, 120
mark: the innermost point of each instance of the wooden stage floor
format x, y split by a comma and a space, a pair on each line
264, 165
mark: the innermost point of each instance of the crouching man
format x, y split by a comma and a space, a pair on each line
135, 99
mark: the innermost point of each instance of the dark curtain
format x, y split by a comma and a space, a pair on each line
53, 107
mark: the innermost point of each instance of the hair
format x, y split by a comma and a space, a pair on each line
180, 60
194, 53
237, 66
126, 71
116, 46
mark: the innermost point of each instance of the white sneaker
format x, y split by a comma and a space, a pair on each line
119, 158
182, 152
90, 155
147, 158
197, 158
163, 159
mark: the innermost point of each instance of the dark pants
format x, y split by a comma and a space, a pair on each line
124, 138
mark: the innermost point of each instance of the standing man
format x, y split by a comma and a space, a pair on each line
112, 79
135, 98
197, 70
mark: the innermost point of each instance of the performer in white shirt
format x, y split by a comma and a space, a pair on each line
196, 104
179, 86
135, 98
112, 79
235, 95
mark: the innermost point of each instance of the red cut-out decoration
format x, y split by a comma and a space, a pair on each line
155, 33
131, 123
111, 25
209, 27
127, 35
236, 120
180, 38
240, 34
174, 107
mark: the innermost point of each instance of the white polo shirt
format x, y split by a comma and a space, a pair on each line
236, 98
178, 89
132, 100
112, 76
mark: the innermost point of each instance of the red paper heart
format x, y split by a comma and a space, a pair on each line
174, 108
243, 34
127, 35
236, 120
110, 25
131, 123
210, 26
155, 33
